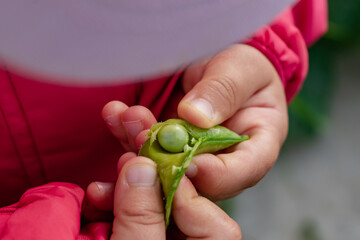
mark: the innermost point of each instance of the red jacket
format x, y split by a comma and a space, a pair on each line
51, 134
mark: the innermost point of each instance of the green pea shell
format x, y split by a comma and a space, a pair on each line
172, 164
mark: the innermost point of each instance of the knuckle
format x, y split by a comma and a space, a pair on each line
253, 181
220, 182
263, 161
226, 88
145, 216
217, 189
236, 233
233, 230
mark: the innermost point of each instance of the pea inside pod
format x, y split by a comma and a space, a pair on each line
173, 143
173, 138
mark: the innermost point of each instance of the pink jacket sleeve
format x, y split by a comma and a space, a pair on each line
284, 42
50, 211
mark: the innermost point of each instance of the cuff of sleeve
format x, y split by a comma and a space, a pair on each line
285, 48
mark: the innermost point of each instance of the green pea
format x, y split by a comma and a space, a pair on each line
173, 143
173, 138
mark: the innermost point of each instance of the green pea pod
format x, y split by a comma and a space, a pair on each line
173, 143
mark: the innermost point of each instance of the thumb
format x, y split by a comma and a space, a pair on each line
138, 207
225, 83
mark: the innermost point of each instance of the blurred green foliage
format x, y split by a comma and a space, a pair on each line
309, 111
309, 230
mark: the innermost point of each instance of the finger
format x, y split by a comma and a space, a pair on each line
98, 203
138, 205
125, 123
199, 218
124, 159
225, 175
101, 195
229, 79
141, 138
135, 119
111, 114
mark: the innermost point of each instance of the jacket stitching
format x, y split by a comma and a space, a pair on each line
42, 170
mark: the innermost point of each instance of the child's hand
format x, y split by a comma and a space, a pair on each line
139, 210
129, 125
240, 88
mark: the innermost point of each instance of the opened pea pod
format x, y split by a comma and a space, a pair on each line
173, 143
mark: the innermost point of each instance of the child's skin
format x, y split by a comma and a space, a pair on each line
239, 88
139, 210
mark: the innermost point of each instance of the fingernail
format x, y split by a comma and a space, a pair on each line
141, 175
133, 127
104, 186
112, 120
204, 107
191, 171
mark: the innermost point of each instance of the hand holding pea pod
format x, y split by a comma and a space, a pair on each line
138, 211
173, 143
239, 88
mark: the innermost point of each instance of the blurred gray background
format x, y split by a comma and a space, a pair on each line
313, 191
